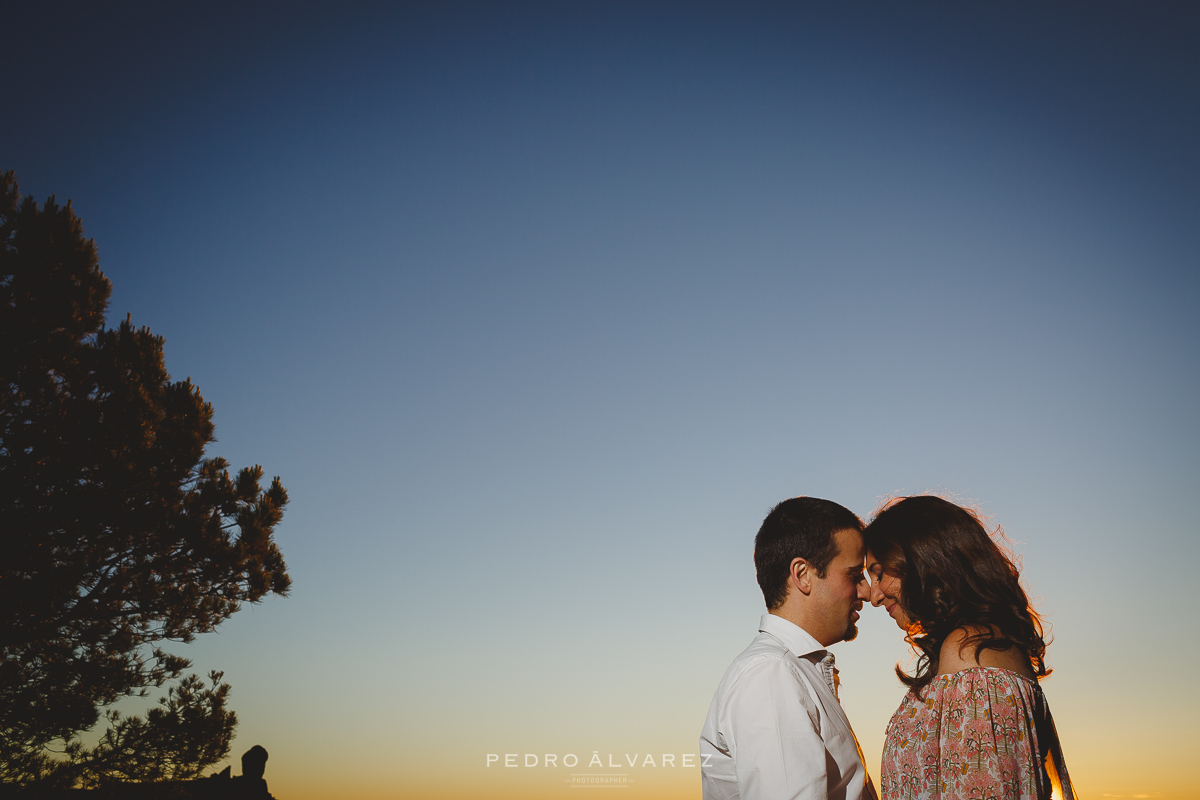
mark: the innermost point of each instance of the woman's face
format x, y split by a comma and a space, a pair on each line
885, 591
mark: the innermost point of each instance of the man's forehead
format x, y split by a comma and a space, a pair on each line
851, 545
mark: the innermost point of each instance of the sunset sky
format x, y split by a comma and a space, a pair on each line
537, 309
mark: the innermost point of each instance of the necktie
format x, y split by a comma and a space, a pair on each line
830, 673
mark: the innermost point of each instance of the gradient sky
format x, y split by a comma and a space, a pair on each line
538, 309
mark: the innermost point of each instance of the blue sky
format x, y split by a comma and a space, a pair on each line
537, 309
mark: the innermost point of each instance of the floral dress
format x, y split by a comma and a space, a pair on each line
980, 734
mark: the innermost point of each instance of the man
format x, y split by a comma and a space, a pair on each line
775, 729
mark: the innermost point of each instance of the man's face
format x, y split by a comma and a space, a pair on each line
840, 594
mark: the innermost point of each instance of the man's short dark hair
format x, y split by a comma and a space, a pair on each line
802, 527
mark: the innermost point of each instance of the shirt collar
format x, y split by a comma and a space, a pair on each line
797, 640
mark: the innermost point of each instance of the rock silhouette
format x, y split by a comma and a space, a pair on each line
254, 762
250, 785
247, 786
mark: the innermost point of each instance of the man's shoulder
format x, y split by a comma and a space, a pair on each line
765, 654
765, 678
764, 645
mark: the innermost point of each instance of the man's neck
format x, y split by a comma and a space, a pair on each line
793, 616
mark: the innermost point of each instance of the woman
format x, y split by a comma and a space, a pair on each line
974, 722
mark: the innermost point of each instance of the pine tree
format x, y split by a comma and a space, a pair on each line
117, 533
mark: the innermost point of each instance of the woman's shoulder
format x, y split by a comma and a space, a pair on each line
958, 653
980, 687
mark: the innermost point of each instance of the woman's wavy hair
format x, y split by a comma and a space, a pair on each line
952, 575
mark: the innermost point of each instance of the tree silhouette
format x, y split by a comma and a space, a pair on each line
191, 730
117, 533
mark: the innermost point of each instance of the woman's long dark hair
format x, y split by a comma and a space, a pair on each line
952, 575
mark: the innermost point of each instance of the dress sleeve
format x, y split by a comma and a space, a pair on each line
780, 754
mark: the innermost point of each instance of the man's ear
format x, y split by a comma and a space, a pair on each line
799, 576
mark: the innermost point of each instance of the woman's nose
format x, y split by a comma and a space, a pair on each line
876, 594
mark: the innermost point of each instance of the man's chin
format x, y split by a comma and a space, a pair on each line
852, 624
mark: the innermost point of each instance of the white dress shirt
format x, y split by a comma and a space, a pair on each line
775, 729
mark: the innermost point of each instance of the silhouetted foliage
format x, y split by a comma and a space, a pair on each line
118, 533
190, 731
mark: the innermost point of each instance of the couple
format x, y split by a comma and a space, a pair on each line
974, 723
